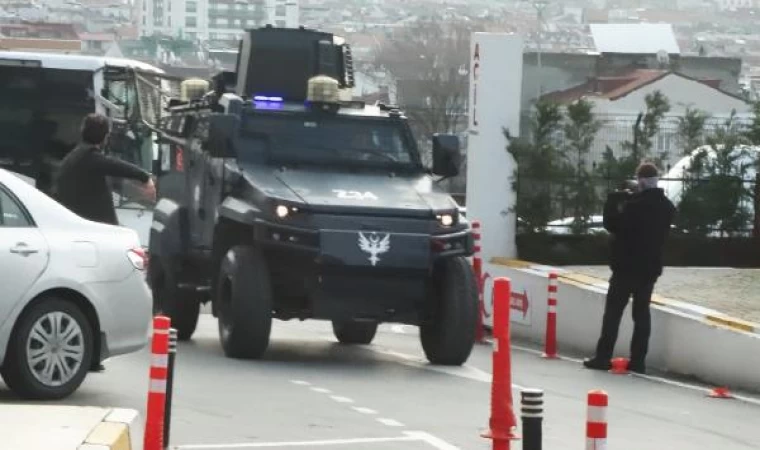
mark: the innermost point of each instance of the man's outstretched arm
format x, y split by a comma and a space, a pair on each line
114, 167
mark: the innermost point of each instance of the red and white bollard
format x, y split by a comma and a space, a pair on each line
596, 421
159, 370
550, 344
477, 267
502, 423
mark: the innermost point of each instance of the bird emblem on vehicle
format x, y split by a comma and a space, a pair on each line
374, 245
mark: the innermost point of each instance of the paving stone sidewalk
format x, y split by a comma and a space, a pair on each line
735, 292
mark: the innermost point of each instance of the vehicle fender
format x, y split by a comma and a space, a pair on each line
168, 232
239, 211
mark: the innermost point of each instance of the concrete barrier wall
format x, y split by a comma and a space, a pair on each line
54, 427
686, 340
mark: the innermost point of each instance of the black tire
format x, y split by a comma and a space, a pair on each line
354, 332
448, 334
23, 377
244, 299
181, 306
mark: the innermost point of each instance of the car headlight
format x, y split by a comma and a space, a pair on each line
282, 211
446, 220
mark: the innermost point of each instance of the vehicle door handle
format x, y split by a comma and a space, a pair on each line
23, 249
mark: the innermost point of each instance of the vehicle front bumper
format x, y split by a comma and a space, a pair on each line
378, 247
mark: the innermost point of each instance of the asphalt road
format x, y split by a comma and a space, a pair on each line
310, 392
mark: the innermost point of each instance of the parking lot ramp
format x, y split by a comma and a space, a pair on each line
55, 427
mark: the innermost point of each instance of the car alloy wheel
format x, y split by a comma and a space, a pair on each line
55, 349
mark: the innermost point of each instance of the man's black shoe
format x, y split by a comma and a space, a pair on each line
639, 368
596, 364
99, 368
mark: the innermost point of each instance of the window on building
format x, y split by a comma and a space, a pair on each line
280, 23
191, 7
280, 11
191, 21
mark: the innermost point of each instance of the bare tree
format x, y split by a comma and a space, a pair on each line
428, 60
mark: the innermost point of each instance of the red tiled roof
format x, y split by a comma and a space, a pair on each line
615, 87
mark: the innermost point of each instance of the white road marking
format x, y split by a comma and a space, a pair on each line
364, 410
390, 422
300, 383
397, 329
468, 372
428, 438
321, 390
340, 399
407, 438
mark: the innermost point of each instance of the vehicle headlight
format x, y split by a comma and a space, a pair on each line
282, 211
446, 220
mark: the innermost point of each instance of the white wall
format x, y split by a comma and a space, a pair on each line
681, 342
495, 95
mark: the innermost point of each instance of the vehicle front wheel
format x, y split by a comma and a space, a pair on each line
448, 331
50, 352
244, 301
181, 306
354, 332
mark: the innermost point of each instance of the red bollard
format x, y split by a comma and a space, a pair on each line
159, 368
550, 345
596, 421
502, 422
477, 267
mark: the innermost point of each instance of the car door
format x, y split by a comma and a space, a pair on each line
23, 252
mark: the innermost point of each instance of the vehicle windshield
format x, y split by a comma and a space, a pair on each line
326, 140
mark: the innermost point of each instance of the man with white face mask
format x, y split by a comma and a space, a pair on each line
639, 228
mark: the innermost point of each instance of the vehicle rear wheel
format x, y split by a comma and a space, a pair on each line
244, 299
354, 332
50, 352
181, 306
448, 334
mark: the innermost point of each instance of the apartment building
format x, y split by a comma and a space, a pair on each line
214, 20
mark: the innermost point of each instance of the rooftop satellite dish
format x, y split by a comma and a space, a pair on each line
663, 59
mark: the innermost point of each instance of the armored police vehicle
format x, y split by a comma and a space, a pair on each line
280, 199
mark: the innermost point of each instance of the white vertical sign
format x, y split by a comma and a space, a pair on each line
495, 94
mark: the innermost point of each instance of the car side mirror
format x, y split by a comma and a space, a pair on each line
446, 155
221, 135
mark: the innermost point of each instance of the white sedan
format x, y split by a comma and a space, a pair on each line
73, 293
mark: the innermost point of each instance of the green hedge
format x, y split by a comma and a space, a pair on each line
681, 251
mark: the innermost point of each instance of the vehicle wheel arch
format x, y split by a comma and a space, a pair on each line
80, 301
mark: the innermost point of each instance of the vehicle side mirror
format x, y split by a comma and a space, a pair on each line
446, 155
221, 135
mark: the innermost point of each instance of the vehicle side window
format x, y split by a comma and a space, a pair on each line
12, 214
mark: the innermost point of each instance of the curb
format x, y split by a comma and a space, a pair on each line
119, 430
706, 315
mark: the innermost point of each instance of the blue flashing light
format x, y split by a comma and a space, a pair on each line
267, 98
267, 104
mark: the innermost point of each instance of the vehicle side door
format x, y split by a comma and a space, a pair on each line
211, 194
23, 252
196, 163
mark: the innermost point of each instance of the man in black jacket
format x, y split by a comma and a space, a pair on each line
81, 180
639, 224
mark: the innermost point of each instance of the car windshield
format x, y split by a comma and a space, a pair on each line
326, 140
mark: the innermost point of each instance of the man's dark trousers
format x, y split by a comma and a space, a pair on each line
622, 287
